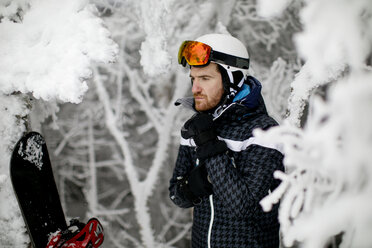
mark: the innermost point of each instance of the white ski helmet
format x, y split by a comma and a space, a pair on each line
230, 45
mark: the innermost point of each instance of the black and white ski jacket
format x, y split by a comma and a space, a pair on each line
231, 217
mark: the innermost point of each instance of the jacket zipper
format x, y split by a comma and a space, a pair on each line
211, 221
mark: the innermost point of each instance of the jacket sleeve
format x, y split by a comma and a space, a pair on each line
182, 168
242, 179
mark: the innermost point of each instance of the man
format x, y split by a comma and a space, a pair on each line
221, 170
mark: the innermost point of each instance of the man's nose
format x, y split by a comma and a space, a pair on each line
196, 87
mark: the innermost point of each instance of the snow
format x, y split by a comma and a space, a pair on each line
12, 229
32, 151
328, 51
304, 84
155, 58
11, 109
343, 40
267, 8
66, 36
329, 167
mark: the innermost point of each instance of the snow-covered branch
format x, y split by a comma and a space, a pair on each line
327, 189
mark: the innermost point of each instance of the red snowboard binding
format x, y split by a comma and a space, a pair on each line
78, 235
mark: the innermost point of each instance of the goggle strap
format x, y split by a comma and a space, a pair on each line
230, 60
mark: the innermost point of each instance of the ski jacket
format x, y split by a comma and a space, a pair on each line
231, 217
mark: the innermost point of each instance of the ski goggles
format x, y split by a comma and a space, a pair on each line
196, 53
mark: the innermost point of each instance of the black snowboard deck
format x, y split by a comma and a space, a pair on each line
36, 191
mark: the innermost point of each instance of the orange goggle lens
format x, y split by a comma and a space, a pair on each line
194, 52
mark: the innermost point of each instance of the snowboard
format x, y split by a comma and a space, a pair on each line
36, 191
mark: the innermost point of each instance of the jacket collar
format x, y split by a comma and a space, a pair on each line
249, 100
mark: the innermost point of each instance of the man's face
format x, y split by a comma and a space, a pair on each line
207, 86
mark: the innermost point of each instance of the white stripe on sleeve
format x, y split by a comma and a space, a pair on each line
234, 145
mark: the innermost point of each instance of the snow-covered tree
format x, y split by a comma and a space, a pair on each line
46, 50
326, 191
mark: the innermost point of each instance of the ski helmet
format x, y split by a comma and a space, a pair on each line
230, 45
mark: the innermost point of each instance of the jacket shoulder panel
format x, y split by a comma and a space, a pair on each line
241, 129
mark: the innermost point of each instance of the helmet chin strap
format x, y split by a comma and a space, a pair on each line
232, 84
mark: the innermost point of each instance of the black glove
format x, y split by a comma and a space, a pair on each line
196, 185
200, 127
